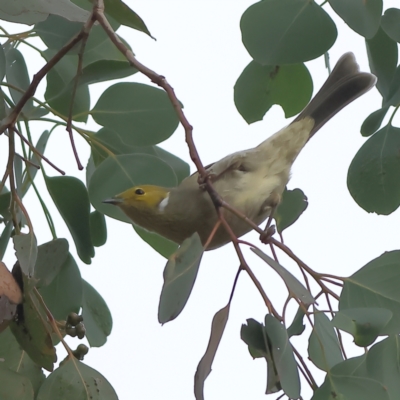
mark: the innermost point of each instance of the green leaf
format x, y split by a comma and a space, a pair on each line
71, 198
17, 75
383, 364
282, 353
17, 360
297, 326
382, 56
2, 64
259, 87
125, 16
14, 385
254, 335
32, 329
364, 324
5, 237
5, 201
293, 204
374, 121
26, 251
179, 277
31, 170
363, 17
75, 380
159, 243
115, 143
59, 97
278, 32
376, 285
98, 228
323, 346
391, 23
374, 174
96, 316
56, 32
295, 287
50, 258
119, 173
64, 294
141, 114
348, 380
204, 367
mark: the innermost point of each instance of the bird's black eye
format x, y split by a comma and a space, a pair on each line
139, 191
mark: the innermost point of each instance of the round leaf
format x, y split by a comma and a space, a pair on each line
374, 174
391, 23
362, 16
286, 31
142, 115
98, 228
259, 87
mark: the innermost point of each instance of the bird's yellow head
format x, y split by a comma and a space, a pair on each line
140, 197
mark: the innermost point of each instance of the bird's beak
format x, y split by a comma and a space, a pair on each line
114, 200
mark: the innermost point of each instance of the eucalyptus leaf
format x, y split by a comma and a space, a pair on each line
259, 87
141, 114
278, 32
179, 277
72, 201
204, 367
373, 178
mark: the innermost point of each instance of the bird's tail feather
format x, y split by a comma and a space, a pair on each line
345, 84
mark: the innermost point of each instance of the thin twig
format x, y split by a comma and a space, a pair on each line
34, 150
309, 374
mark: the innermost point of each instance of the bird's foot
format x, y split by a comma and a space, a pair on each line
266, 236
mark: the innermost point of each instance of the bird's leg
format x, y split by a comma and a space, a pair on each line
269, 230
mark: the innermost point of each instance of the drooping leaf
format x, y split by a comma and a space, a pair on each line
125, 16
98, 228
159, 243
179, 277
294, 286
5, 238
96, 316
75, 380
255, 336
293, 204
364, 324
382, 56
261, 86
2, 64
33, 11
374, 121
17, 360
297, 326
277, 32
71, 198
363, 17
323, 345
14, 385
376, 285
204, 367
349, 380
31, 170
50, 258
383, 362
32, 329
374, 174
64, 294
119, 173
26, 251
282, 353
141, 114
391, 23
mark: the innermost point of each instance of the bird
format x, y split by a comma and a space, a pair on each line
251, 181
